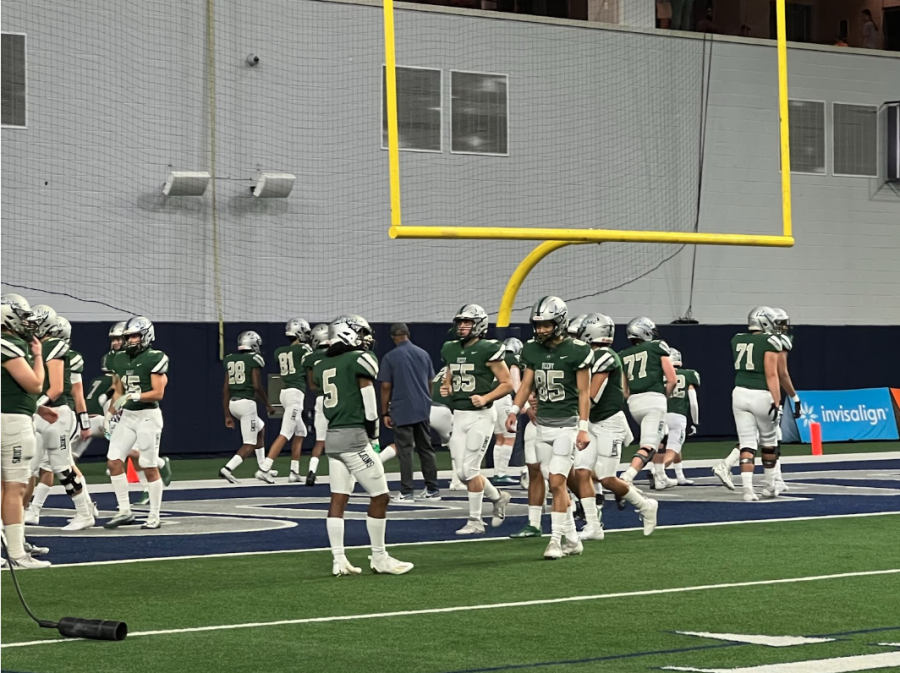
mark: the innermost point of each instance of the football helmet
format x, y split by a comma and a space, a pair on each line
675, 357
353, 331
17, 315
479, 318
575, 324
597, 329
318, 336
138, 325
297, 328
513, 345
782, 321
642, 329
761, 319
103, 366
249, 341
116, 337
553, 310
43, 318
60, 329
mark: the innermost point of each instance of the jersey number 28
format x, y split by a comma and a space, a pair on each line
236, 373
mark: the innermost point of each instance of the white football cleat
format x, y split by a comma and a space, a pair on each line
472, 528
499, 513
553, 551
388, 565
781, 487
26, 563
80, 523
671, 483
32, 516
267, 477
95, 510
592, 533
685, 482
343, 567
34, 550
750, 496
724, 474
572, 547
151, 524
274, 473
120, 519
294, 478
648, 515
457, 485
660, 484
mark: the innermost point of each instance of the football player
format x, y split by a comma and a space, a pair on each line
242, 387
319, 342
22, 379
345, 375
441, 421
97, 401
783, 330
608, 430
682, 407
557, 369
473, 362
503, 440
140, 384
651, 380
289, 359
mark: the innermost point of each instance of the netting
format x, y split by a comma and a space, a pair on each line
531, 124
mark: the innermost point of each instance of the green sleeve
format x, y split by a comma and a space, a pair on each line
366, 366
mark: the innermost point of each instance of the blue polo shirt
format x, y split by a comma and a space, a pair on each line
409, 370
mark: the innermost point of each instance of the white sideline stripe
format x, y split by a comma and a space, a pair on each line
486, 606
704, 524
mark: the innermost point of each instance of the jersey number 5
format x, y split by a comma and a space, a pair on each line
236, 373
329, 390
745, 352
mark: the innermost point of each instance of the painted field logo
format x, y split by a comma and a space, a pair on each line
856, 415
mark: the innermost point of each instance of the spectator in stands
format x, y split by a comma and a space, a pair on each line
706, 24
869, 31
840, 42
682, 10
663, 14
405, 375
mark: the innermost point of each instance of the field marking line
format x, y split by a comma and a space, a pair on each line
485, 606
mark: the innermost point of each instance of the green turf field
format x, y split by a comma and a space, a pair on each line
603, 633
208, 468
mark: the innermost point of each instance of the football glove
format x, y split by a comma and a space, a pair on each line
692, 431
774, 412
376, 445
797, 409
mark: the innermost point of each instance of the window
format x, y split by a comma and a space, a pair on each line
478, 113
13, 48
797, 24
806, 126
855, 139
418, 109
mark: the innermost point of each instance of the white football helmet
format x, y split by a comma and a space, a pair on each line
575, 324
249, 341
513, 345
319, 336
675, 357
479, 318
17, 315
138, 325
297, 328
782, 321
43, 317
597, 328
60, 329
761, 319
352, 330
550, 309
642, 329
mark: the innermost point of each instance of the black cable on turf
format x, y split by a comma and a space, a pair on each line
70, 627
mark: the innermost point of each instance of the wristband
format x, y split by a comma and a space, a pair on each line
583, 426
134, 397
84, 420
514, 409
796, 399
42, 400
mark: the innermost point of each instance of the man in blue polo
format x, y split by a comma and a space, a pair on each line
405, 375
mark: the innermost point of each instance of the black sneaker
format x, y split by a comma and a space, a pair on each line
579, 512
311, 479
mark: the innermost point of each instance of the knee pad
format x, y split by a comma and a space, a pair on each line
69, 480
645, 457
752, 452
769, 457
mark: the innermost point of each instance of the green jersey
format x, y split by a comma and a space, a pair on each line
337, 378
470, 373
239, 370
787, 342
555, 377
57, 349
290, 365
680, 403
115, 362
74, 365
99, 387
14, 398
137, 374
437, 399
310, 360
610, 399
643, 366
749, 350
511, 360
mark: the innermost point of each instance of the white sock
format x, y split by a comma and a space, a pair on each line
660, 470
335, 527
376, 535
591, 513
313, 464
476, 499
635, 498
455, 471
534, 515
769, 477
160, 463
82, 504
155, 489
234, 463
41, 491
142, 476
557, 525
260, 456
295, 466
266, 464
490, 491
733, 458
502, 454
120, 486
570, 531
629, 474
679, 472
15, 539
777, 469
747, 480
390, 451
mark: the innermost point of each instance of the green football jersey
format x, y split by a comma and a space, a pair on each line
14, 398
74, 365
57, 349
115, 362
643, 366
309, 362
239, 369
680, 403
136, 374
290, 365
749, 350
555, 376
99, 386
787, 342
511, 360
437, 398
611, 398
469, 370
337, 378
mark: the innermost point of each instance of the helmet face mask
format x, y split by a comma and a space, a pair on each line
141, 327
782, 321
551, 310
471, 322
249, 341
675, 357
353, 331
597, 328
17, 315
116, 338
